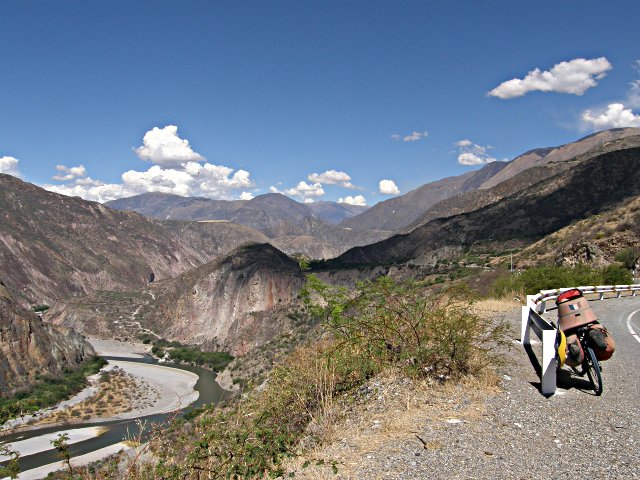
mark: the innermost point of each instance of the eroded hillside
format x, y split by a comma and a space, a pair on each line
31, 349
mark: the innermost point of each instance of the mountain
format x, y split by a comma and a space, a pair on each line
30, 348
404, 212
333, 213
234, 303
542, 156
585, 188
53, 246
273, 214
290, 225
475, 199
595, 240
396, 213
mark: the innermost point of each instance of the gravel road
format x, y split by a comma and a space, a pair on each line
521, 434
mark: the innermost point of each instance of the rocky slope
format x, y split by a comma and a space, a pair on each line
586, 188
53, 246
473, 200
333, 213
405, 212
542, 156
398, 212
595, 240
235, 303
30, 348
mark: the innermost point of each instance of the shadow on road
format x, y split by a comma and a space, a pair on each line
565, 379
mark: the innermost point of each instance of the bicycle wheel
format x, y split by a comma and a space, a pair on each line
592, 366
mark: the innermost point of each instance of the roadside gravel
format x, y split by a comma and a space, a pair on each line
516, 433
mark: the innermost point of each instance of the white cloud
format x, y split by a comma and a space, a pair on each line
164, 147
412, 137
388, 187
472, 159
615, 116
464, 143
332, 177
246, 196
573, 77
69, 173
273, 189
307, 192
9, 165
633, 99
470, 153
357, 200
193, 179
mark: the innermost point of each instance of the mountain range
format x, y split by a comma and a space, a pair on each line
231, 283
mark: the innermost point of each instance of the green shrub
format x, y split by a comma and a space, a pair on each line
50, 391
628, 257
217, 361
535, 279
617, 275
383, 323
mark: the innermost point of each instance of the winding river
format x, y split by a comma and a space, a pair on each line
118, 430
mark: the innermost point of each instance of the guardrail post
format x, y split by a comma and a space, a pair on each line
524, 333
548, 380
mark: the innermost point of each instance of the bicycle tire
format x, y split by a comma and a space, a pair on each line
592, 366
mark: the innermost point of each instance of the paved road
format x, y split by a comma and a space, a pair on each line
523, 435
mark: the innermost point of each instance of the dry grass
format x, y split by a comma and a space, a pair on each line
392, 416
506, 304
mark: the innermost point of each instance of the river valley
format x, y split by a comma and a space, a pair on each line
98, 438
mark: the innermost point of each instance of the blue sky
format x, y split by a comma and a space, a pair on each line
268, 93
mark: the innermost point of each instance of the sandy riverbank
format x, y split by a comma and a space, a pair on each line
151, 389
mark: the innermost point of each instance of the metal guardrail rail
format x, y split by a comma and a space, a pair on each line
547, 331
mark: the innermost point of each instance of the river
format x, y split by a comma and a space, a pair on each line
118, 430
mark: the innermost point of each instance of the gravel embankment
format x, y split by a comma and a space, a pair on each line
516, 433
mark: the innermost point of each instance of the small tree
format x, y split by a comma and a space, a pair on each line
61, 444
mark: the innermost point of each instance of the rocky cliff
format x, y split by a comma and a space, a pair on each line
30, 348
235, 303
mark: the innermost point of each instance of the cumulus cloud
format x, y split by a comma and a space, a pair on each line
164, 147
192, 179
246, 196
357, 200
9, 165
69, 173
388, 187
573, 77
332, 177
307, 192
470, 153
412, 137
615, 116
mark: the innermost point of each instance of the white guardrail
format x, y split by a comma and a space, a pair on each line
547, 331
